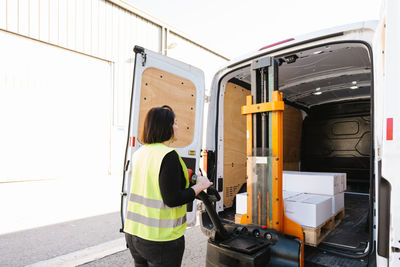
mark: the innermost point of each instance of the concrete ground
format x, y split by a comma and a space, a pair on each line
44, 243
71, 222
94, 241
195, 253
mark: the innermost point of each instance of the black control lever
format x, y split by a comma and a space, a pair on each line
208, 198
213, 194
211, 191
220, 229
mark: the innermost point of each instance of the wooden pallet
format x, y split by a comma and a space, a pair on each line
313, 236
238, 218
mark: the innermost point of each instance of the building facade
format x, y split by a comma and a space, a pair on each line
65, 83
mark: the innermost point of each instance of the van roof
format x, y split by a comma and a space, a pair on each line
317, 35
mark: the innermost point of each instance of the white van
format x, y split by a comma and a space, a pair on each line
341, 92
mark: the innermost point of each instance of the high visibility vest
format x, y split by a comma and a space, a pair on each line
147, 215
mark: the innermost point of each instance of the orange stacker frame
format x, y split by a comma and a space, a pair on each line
264, 78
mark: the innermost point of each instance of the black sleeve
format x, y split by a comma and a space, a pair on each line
172, 182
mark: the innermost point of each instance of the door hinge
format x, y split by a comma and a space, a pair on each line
127, 165
140, 50
143, 58
207, 99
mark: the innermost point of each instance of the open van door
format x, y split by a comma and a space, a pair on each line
157, 81
389, 180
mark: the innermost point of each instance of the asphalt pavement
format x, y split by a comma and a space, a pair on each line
94, 241
195, 253
35, 245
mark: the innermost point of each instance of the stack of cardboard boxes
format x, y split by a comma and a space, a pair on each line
310, 198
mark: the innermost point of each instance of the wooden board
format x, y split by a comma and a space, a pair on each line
292, 127
162, 88
234, 141
314, 236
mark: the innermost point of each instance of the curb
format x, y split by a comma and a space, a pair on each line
84, 255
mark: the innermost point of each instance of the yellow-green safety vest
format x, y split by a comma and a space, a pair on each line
147, 216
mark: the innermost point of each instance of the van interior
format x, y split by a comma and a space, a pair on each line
327, 128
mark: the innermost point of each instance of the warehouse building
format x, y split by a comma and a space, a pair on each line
65, 78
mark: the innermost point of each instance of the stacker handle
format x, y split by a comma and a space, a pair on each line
207, 198
213, 194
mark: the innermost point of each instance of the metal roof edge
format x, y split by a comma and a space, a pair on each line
129, 7
370, 24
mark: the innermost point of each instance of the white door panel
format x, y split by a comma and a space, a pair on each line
185, 94
391, 123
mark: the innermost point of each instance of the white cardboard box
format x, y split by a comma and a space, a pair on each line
287, 194
308, 209
343, 179
312, 182
337, 202
241, 203
344, 182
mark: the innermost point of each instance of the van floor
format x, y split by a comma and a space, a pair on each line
352, 232
353, 229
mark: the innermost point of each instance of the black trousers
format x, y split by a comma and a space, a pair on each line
156, 254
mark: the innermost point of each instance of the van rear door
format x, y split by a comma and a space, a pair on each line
389, 186
159, 80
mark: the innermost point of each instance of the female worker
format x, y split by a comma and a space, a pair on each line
156, 217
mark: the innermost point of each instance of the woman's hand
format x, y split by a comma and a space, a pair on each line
201, 184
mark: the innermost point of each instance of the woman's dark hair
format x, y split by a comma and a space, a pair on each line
158, 125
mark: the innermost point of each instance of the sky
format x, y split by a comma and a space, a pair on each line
233, 28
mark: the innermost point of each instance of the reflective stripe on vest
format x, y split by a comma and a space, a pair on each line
166, 223
147, 215
148, 202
